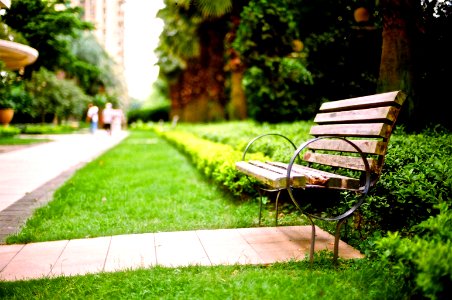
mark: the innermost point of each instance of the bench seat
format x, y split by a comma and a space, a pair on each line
274, 175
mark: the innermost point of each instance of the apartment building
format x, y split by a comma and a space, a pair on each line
108, 19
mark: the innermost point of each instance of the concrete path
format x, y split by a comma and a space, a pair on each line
28, 178
262, 245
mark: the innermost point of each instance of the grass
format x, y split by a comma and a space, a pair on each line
142, 185
292, 280
145, 185
15, 140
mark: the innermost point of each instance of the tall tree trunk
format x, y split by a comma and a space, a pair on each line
399, 31
237, 105
199, 94
238, 110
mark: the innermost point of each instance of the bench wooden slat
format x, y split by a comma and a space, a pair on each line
384, 99
356, 130
348, 162
333, 180
379, 114
366, 146
268, 175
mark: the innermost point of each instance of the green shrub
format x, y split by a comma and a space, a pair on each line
215, 161
276, 75
9, 131
415, 178
46, 129
151, 114
424, 262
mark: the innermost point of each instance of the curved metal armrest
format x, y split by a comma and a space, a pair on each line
263, 135
363, 192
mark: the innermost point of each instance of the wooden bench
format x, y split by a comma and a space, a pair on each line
351, 134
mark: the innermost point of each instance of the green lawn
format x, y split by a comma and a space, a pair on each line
354, 280
142, 185
15, 140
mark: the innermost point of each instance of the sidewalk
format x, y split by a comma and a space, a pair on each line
28, 178
263, 245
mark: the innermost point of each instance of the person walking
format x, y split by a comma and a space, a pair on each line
107, 117
93, 117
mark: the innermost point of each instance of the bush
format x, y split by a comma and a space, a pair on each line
46, 129
276, 75
215, 161
416, 175
423, 262
9, 131
153, 114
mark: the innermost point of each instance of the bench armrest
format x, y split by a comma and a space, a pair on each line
363, 191
265, 135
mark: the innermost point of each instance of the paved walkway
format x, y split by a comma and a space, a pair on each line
28, 178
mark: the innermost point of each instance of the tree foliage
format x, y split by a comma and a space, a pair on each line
66, 46
59, 98
344, 55
214, 8
48, 30
94, 68
276, 69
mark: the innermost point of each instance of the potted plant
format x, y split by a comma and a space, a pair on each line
13, 96
11, 85
7, 104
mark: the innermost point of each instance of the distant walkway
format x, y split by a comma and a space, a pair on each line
28, 176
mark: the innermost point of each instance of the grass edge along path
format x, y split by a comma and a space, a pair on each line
291, 280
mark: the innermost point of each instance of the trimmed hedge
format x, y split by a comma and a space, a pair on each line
9, 131
423, 262
216, 161
153, 114
416, 176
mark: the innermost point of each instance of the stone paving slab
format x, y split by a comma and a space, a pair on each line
244, 246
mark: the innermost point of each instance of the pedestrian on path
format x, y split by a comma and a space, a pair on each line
107, 117
93, 117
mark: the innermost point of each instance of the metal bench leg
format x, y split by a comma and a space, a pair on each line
261, 198
336, 240
311, 250
277, 207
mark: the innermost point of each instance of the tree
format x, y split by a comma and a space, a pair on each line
415, 56
48, 30
58, 98
276, 75
191, 57
94, 69
399, 31
66, 46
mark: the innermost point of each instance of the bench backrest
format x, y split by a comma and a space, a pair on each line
367, 121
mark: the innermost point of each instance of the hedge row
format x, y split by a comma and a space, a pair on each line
13, 130
214, 160
416, 175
